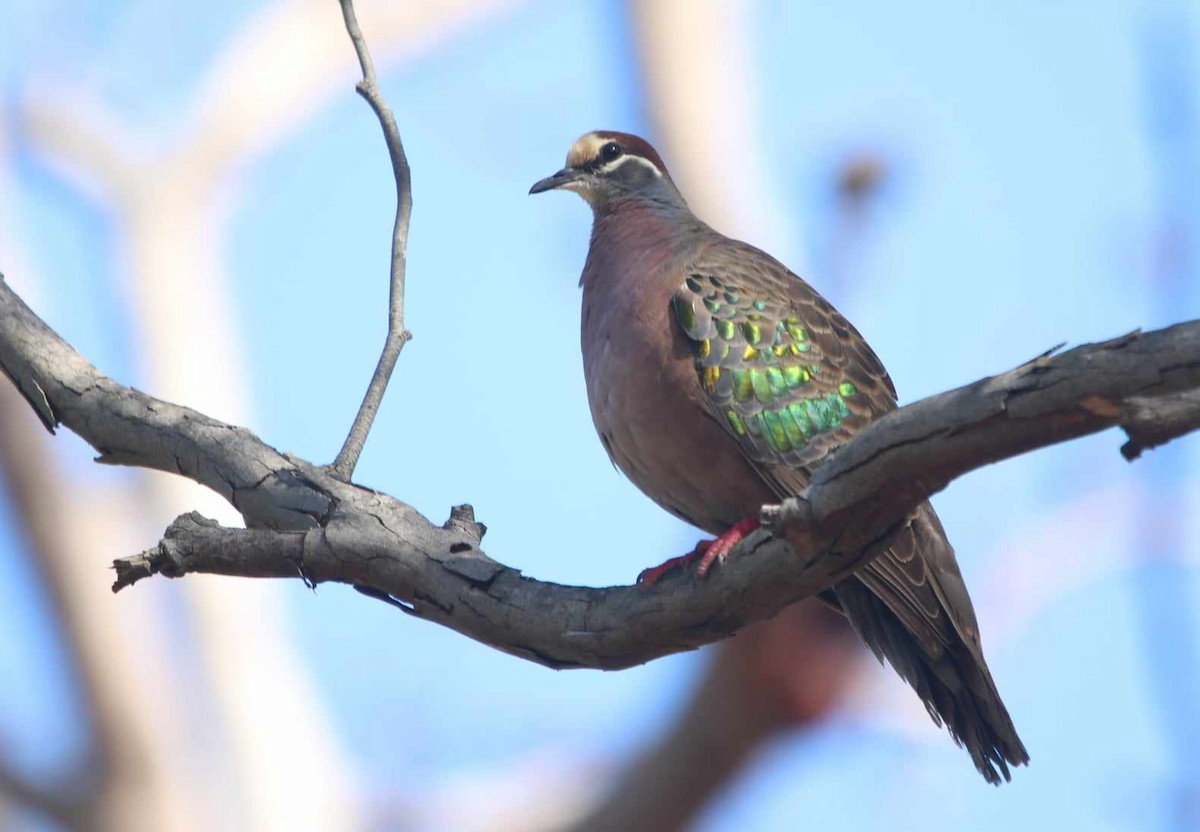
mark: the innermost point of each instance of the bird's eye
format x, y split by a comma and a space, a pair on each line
610, 151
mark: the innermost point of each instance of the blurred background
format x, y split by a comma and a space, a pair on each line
194, 197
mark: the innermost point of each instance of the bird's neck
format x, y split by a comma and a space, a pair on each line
636, 239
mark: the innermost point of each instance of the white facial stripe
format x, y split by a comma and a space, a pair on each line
616, 163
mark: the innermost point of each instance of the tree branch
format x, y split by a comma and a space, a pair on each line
67, 805
304, 521
397, 335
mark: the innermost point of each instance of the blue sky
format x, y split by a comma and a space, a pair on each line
1023, 212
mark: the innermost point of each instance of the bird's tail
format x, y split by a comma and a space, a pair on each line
929, 635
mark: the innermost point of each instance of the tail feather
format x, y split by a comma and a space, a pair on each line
939, 655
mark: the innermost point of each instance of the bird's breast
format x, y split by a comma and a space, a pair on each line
647, 404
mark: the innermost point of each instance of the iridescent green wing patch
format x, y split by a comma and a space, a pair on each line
781, 368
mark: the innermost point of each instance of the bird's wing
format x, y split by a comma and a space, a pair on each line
782, 370
791, 380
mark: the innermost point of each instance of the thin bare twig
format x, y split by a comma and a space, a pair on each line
397, 335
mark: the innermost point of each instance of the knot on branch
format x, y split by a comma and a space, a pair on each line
462, 520
165, 558
1149, 421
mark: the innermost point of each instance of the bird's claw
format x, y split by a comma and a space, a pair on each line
650, 576
706, 553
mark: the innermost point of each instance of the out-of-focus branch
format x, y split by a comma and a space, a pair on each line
697, 67
230, 125
782, 674
68, 806
26, 473
397, 335
120, 784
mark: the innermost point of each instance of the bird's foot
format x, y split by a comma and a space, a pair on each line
706, 553
716, 550
651, 576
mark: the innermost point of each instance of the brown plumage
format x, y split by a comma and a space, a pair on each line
718, 380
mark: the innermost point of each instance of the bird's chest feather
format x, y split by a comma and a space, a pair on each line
645, 397
641, 379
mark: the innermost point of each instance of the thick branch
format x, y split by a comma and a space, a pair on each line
388, 550
397, 335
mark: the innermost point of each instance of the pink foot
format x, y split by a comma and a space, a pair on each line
706, 553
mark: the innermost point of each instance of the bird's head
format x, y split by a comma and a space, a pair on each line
604, 165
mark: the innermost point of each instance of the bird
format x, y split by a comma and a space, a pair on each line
718, 381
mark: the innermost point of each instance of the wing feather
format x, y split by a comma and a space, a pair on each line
784, 372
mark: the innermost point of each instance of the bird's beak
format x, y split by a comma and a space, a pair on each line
564, 177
